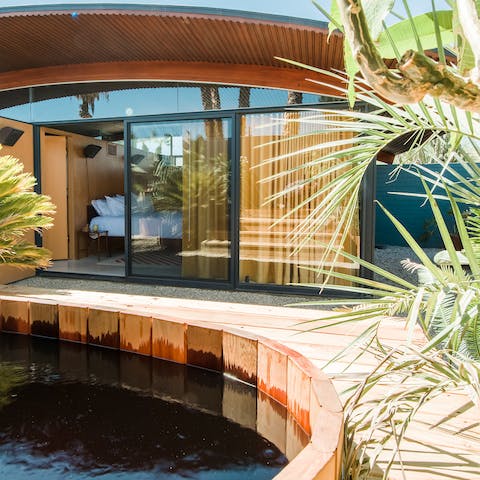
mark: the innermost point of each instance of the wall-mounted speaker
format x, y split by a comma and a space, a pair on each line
9, 136
91, 150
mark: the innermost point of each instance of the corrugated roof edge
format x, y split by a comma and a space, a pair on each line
128, 7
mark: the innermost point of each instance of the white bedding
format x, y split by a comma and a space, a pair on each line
167, 224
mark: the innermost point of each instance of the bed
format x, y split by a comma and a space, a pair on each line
146, 222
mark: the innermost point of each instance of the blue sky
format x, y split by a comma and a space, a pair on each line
296, 8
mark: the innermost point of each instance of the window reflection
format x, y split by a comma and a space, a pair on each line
122, 99
15, 104
180, 205
279, 201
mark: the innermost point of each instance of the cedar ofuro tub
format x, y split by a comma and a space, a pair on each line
274, 369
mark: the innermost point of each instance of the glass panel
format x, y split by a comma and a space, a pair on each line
194, 97
15, 104
76, 101
103, 100
272, 146
180, 218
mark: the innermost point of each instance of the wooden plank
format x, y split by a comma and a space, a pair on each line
204, 347
103, 328
169, 340
44, 318
237, 74
272, 371
15, 316
54, 184
298, 393
240, 357
72, 321
135, 333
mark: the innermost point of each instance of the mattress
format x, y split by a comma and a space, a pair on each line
160, 224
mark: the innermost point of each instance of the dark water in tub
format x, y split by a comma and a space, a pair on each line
71, 412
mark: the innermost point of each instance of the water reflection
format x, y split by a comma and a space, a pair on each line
74, 412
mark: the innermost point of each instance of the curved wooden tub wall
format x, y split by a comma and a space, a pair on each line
274, 369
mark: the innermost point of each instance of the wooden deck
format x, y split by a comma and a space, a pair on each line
447, 451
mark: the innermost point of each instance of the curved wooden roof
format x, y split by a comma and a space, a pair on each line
72, 43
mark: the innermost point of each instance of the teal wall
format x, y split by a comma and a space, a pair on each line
411, 211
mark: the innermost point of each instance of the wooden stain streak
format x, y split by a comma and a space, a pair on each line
272, 372
241, 373
162, 348
44, 328
73, 323
278, 394
240, 357
15, 324
302, 416
72, 336
111, 340
135, 333
203, 359
145, 348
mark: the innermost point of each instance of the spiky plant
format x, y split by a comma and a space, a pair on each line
406, 377
21, 210
447, 309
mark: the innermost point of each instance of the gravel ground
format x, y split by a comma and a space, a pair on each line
388, 258
55, 283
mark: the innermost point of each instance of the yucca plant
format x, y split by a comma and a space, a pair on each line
21, 210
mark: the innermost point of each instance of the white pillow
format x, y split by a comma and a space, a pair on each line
101, 207
116, 206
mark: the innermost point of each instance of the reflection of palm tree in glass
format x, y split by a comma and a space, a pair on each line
87, 105
294, 98
211, 101
244, 97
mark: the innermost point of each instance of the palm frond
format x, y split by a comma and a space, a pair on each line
21, 210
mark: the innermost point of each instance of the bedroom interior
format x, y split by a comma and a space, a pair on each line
177, 221
87, 161
180, 221
179, 182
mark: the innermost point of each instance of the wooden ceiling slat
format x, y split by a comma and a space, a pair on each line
38, 40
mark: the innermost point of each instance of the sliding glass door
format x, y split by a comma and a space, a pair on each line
283, 188
180, 199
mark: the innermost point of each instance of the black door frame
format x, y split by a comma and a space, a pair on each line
367, 211
215, 115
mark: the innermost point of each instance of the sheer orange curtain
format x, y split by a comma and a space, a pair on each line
206, 241
272, 144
